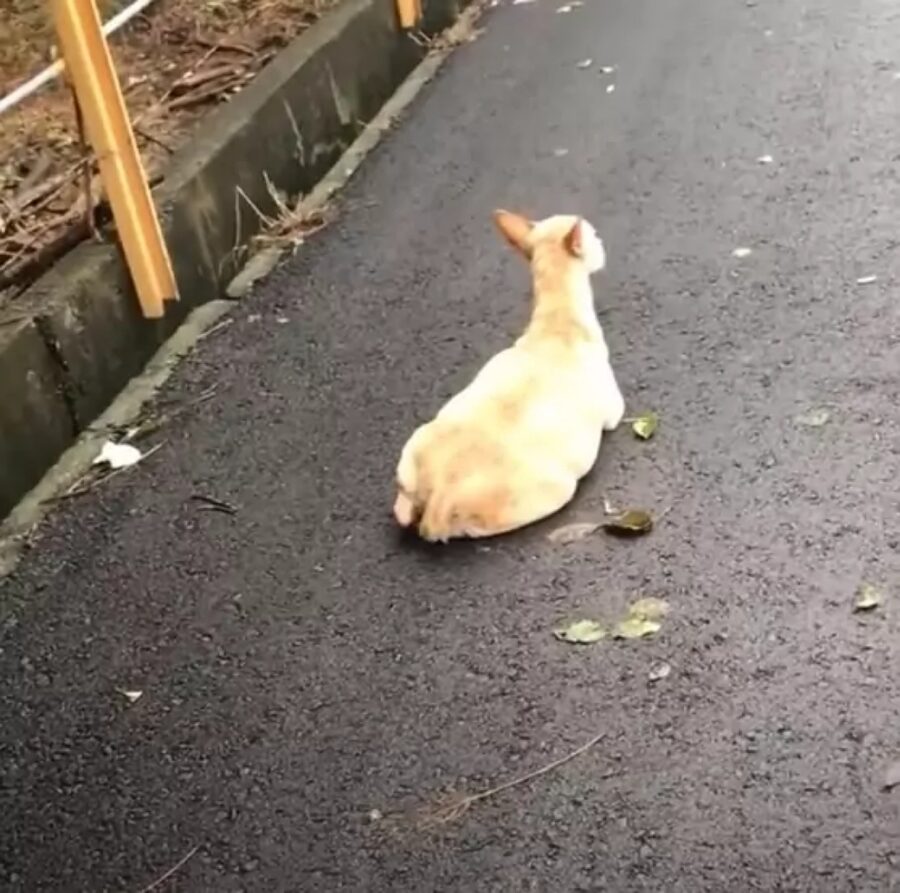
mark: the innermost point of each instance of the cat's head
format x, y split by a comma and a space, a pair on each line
573, 234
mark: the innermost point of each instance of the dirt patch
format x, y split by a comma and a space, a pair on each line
176, 62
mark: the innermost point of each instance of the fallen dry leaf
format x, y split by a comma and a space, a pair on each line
571, 533
631, 522
644, 426
580, 632
868, 597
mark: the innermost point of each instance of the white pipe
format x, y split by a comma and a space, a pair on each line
51, 72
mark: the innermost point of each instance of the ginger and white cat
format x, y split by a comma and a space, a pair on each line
511, 447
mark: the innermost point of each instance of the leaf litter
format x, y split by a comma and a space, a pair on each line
644, 618
624, 523
644, 426
631, 522
581, 632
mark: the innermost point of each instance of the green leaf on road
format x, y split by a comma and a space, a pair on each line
868, 597
644, 618
644, 426
580, 632
631, 522
636, 628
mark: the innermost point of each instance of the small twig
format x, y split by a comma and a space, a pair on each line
214, 91
210, 503
159, 105
37, 175
264, 219
164, 877
86, 177
224, 45
216, 328
12, 320
457, 807
196, 79
154, 139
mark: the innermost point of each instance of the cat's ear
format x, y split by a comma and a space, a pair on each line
516, 230
574, 240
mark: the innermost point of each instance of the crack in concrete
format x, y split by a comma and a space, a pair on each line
61, 372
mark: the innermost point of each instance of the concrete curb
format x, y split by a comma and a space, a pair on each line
73, 341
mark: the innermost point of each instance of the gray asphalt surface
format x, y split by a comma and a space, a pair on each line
302, 665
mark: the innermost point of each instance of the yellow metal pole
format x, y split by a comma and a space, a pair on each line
409, 11
92, 74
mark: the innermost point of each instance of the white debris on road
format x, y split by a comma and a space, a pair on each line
118, 455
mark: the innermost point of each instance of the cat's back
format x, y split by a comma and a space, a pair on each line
532, 385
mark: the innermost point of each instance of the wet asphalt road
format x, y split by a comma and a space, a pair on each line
301, 665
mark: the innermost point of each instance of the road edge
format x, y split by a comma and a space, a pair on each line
76, 337
17, 531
